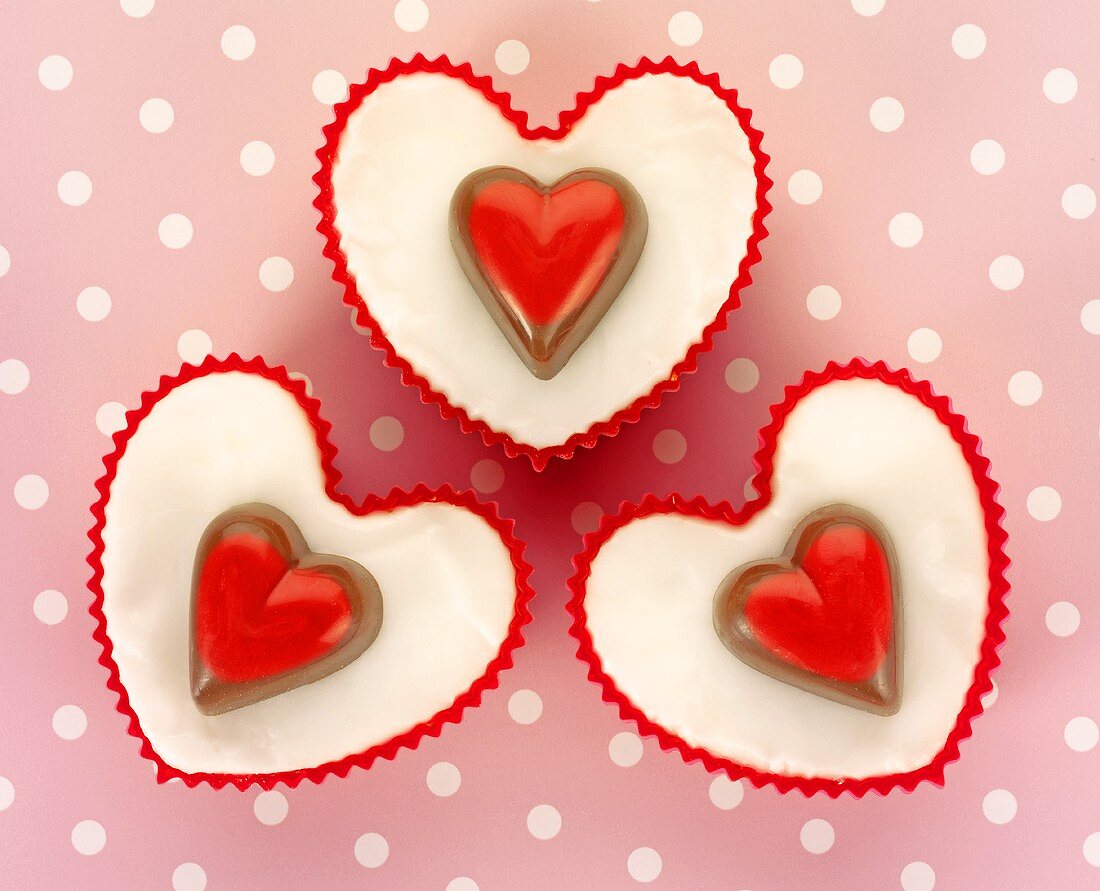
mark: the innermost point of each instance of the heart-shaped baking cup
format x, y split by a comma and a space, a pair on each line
547, 261
237, 436
825, 616
402, 145
269, 615
648, 581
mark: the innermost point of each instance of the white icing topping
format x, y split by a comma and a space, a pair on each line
412, 141
652, 587
447, 583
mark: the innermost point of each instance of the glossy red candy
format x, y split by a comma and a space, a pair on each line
547, 261
824, 616
268, 615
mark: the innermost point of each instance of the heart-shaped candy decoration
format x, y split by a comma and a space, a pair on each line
547, 261
267, 614
825, 616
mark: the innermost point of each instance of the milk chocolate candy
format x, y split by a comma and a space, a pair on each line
269, 615
547, 261
825, 616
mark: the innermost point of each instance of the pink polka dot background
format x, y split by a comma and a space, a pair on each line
935, 206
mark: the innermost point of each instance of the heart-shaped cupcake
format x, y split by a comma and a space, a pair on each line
239, 596
607, 252
762, 641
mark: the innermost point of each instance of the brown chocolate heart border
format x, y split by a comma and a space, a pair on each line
213, 696
628, 414
881, 693
561, 339
372, 504
723, 512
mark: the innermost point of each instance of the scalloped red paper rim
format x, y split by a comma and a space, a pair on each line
371, 504
325, 203
988, 660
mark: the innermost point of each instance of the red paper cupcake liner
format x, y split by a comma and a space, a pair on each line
630, 414
371, 504
723, 512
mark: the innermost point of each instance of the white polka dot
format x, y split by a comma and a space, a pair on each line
188, 877
487, 476
887, 114
817, 836
786, 71
868, 7
257, 158
1025, 388
270, 807
999, 806
685, 28
31, 491
1079, 201
411, 15
987, 156
175, 231
386, 433
1091, 849
1063, 618
625, 749
462, 883
586, 517
1006, 273
1082, 734
742, 375
804, 187
88, 837
725, 794
1090, 317
14, 376
924, 345
74, 188
669, 446
991, 695
137, 9
823, 302
55, 72
194, 345
110, 418
544, 821
371, 850
70, 722
525, 706
156, 115
906, 230
5, 261
50, 607
276, 274
443, 779
238, 42
918, 876
330, 87
7, 793
1044, 503
644, 865
304, 378
512, 57
1060, 86
93, 303
968, 41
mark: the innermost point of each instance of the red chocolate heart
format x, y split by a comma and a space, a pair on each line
547, 261
267, 614
825, 616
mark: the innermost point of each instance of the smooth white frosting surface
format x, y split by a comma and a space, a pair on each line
411, 142
447, 583
650, 595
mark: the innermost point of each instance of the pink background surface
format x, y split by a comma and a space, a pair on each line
1046, 325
